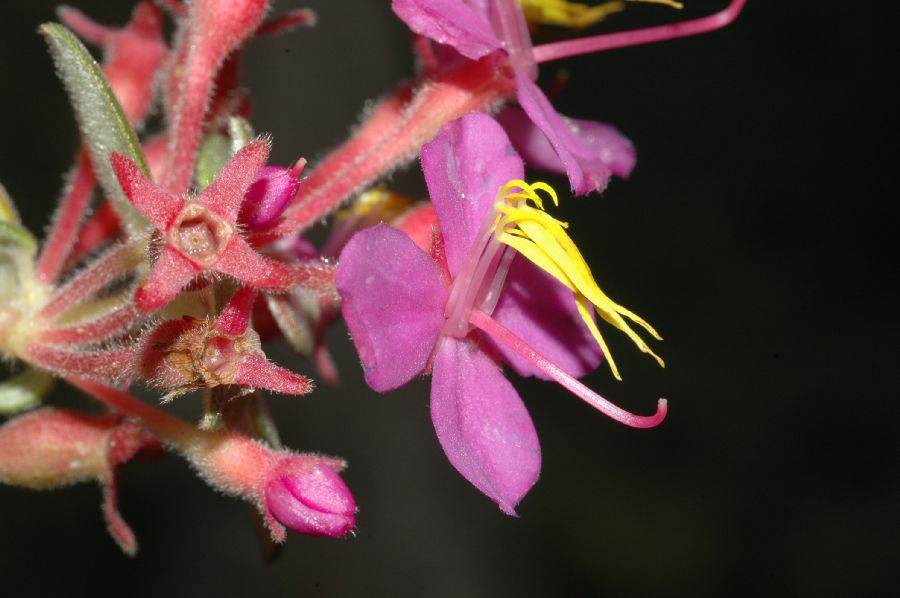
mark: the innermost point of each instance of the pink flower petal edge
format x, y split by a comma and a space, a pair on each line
450, 22
393, 304
464, 166
483, 425
602, 140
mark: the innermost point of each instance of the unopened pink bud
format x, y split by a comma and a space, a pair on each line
267, 196
313, 501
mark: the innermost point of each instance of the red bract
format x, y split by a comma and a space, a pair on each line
200, 234
182, 355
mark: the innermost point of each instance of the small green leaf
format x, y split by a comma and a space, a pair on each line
16, 240
8, 211
215, 150
241, 133
103, 125
24, 390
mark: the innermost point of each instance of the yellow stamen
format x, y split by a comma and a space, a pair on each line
562, 13
378, 202
523, 225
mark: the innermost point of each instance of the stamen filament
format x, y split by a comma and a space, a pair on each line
636, 37
501, 334
542, 239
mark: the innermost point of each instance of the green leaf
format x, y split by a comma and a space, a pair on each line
8, 211
103, 125
24, 390
241, 133
17, 250
16, 240
215, 150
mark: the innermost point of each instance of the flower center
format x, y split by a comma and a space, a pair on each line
519, 223
220, 358
199, 234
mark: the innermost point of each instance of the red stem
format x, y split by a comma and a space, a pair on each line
104, 270
371, 154
111, 364
499, 333
175, 431
83, 333
636, 37
63, 231
100, 227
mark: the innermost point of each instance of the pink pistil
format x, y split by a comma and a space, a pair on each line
636, 37
501, 334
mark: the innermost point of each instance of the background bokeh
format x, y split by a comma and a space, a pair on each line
755, 233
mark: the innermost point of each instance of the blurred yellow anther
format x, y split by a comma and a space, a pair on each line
377, 202
523, 225
562, 13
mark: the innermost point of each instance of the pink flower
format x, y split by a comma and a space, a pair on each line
201, 234
476, 29
311, 499
459, 313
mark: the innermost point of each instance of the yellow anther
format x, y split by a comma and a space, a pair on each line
562, 13
523, 225
377, 202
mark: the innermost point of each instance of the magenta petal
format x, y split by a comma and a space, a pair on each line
586, 171
602, 140
450, 22
393, 303
482, 424
314, 502
465, 166
268, 195
542, 312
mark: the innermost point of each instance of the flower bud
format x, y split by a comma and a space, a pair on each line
267, 196
313, 500
52, 448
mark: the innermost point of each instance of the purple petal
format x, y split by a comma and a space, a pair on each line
482, 424
393, 303
585, 170
268, 195
450, 22
602, 140
465, 166
541, 311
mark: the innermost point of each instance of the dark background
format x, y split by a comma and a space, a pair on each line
754, 233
